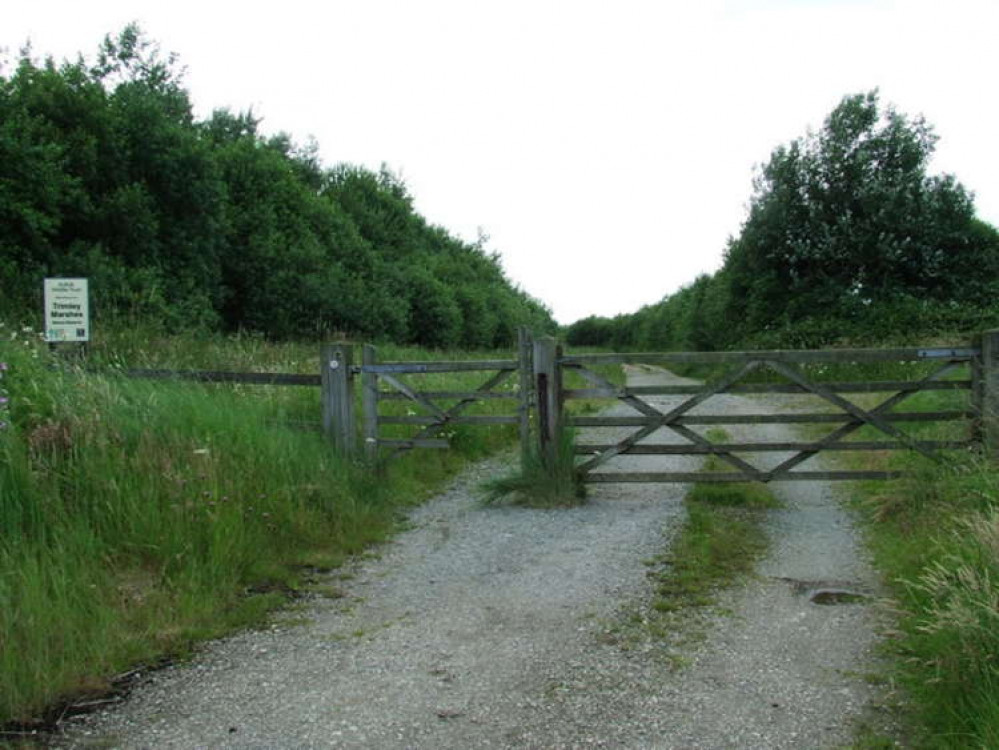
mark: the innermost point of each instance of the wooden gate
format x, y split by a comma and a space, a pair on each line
943, 368
534, 381
432, 413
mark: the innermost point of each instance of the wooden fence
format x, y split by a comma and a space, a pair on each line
383, 382
540, 397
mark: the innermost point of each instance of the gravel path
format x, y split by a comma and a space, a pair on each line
482, 627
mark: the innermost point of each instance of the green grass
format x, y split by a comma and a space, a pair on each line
934, 536
719, 543
552, 482
139, 517
542, 481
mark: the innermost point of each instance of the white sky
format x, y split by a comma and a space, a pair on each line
607, 148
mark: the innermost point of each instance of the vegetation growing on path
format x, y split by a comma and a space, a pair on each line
720, 541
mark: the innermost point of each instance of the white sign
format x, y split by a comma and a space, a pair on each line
67, 310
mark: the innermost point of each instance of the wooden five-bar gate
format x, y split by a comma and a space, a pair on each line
533, 384
847, 417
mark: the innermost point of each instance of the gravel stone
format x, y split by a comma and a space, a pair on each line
483, 627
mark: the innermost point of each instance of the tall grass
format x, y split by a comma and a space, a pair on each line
137, 517
552, 481
935, 538
542, 481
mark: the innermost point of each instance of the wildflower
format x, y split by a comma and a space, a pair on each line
3, 366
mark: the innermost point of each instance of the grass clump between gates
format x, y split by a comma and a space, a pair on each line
542, 481
551, 481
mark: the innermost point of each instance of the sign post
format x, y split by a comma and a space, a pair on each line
67, 311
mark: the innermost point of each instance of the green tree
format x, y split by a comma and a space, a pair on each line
104, 172
848, 217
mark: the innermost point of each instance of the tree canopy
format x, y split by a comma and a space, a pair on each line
847, 235
106, 173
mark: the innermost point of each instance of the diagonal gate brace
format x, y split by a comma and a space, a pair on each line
860, 421
667, 419
445, 415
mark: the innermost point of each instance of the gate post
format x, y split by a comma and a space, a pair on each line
525, 377
986, 393
337, 378
369, 403
548, 390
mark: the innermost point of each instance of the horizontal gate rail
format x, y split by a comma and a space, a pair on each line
886, 386
403, 368
686, 477
826, 356
710, 419
451, 419
660, 449
450, 395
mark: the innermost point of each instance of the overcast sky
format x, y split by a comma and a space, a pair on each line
606, 148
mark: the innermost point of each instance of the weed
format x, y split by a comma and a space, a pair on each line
543, 481
720, 540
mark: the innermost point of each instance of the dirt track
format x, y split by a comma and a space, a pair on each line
484, 627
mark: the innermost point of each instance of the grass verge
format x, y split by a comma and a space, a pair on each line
138, 517
934, 537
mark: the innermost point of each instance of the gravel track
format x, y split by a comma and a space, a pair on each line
483, 627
